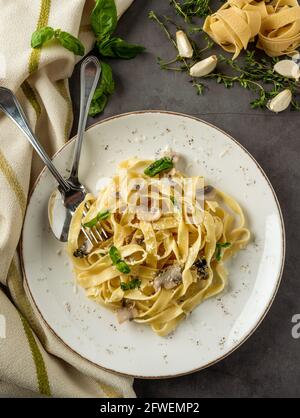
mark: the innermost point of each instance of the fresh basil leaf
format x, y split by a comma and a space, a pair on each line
118, 48
219, 247
101, 216
132, 284
105, 88
98, 105
106, 84
165, 163
41, 36
123, 267
69, 42
117, 261
115, 255
104, 18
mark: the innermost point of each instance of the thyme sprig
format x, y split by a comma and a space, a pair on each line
257, 75
182, 63
191, 8
251, 73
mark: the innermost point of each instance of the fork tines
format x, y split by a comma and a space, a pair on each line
96, 234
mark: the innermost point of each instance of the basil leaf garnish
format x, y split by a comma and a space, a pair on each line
118, 48
132, 284
69, 42
158, 166
117, 261
101, 216
41, 36
105, 88
104, 18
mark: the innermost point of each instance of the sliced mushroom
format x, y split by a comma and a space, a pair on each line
83, 250
128, 313
201, 268
168, 278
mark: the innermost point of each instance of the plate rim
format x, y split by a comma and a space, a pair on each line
278, 279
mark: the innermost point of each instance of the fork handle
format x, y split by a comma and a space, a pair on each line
10, 105
89, 76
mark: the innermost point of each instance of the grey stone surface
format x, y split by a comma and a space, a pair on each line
268, 364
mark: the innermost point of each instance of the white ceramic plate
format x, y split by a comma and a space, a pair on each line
216, 327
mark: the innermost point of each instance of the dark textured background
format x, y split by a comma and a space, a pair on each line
269, 363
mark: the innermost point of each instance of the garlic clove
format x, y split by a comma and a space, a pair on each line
184, 46
204, 67
280, 102
287, 68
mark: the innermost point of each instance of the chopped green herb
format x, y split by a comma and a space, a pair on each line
158, 166
219, 247
117, 261
132, 284
102, 216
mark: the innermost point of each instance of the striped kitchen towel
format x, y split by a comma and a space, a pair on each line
33, 362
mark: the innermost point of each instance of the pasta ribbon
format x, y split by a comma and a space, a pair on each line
238, 22
170, 251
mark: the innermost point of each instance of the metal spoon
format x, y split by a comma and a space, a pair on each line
61, 207
71, 192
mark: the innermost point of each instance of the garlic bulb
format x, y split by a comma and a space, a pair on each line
287, 68
184, 46
204, 67
280, 102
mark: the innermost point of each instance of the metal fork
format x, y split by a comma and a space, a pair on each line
95, 234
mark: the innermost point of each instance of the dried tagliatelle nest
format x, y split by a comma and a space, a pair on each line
238, 22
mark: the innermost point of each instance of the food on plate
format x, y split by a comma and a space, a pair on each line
168, 236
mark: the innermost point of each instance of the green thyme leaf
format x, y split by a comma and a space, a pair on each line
104, 18
41, 36
118, 48
158, 166
132, 284
69, 42
219, 247
192, 8
101, 216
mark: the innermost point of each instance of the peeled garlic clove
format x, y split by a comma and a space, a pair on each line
184, 46
287, 68
280, 102
204, 67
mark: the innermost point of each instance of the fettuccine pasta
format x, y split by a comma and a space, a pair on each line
159, 261
238, 22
